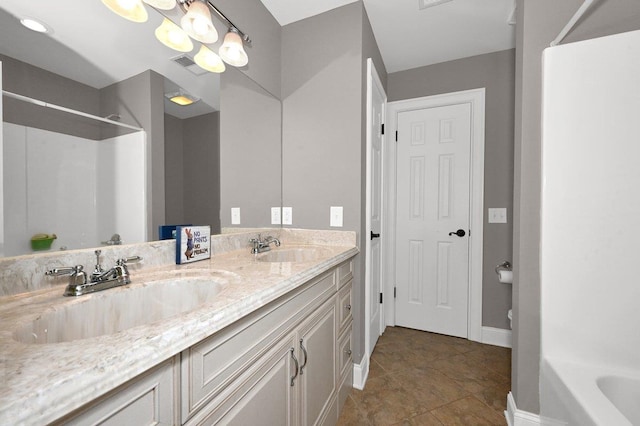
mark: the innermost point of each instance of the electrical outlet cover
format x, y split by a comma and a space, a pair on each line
287, 215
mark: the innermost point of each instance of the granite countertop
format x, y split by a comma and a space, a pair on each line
42, 382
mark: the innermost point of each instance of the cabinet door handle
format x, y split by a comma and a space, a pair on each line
347, 351
297, 365
347, 307
306, 356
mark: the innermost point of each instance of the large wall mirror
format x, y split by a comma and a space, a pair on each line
87, 180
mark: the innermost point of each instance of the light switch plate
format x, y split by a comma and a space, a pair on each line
275, 216
498, 215
235, 215
335, 218
287, 215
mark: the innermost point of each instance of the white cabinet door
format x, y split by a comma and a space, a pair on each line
265, 397
317, 349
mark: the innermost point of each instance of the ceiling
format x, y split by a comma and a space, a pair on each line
409, 37
116, 49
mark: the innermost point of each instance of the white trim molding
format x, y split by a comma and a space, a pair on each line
517, 417
360, 373
476, 99
496, 337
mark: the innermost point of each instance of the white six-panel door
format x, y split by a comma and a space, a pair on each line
433, 185
376, 101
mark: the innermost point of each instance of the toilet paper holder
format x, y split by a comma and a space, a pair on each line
506, 266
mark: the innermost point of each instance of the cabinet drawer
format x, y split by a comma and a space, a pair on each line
345, 306
344, 353
345, 273
149, 399
211, 365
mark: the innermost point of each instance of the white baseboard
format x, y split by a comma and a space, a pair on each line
517, 417
360, 373
496, 337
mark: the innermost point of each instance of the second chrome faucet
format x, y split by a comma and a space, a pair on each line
259, 245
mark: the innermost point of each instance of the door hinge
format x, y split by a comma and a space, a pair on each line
396, 136
394, 293
380, 297
383, 128
469, 232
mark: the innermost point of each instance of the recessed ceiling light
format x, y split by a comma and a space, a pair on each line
181, 98
35, 25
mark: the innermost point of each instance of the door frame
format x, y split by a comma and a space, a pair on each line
476, 99
373, 78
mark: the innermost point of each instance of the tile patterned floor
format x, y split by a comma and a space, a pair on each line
419, 378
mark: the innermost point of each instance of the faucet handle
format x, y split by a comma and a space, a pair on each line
65, 270
131, 259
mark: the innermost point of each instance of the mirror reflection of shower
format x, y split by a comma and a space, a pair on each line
71, 179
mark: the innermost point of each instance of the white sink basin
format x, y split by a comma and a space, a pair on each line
624, 393
119, 309
298, 254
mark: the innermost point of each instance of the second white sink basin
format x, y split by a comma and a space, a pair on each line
119, 309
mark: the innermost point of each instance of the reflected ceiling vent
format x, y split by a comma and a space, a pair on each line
424, 4
186, 62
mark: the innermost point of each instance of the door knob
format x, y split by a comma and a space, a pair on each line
459, 233
374, 235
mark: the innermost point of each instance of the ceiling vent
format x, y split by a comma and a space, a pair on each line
186, 62
424, 4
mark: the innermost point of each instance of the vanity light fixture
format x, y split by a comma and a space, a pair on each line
232, 50
181, 98
132, 10
197, 23
161, 4
173, 36
208, 60
35, 25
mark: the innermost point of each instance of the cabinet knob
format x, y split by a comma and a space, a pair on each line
348, 307
347, 351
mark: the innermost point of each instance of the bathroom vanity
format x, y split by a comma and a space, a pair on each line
265, 340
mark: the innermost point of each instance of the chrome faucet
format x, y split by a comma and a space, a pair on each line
99, 279
260, 245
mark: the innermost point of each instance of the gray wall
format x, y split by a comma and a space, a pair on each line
251, 149
27, 80
323, 92
201, 165
192, 170
264, 52
496, 73
140, 101
539, 22
174, 169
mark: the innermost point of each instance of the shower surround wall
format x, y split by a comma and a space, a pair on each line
80, 189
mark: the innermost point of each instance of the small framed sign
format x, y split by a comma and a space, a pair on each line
193, 243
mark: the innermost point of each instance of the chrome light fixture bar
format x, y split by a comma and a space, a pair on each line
245, 37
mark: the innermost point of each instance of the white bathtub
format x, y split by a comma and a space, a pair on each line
587, 395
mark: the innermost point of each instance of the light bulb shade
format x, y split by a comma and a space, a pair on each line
161, 4
172, 36
232, 50
208, 60
132, 10
197, 23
